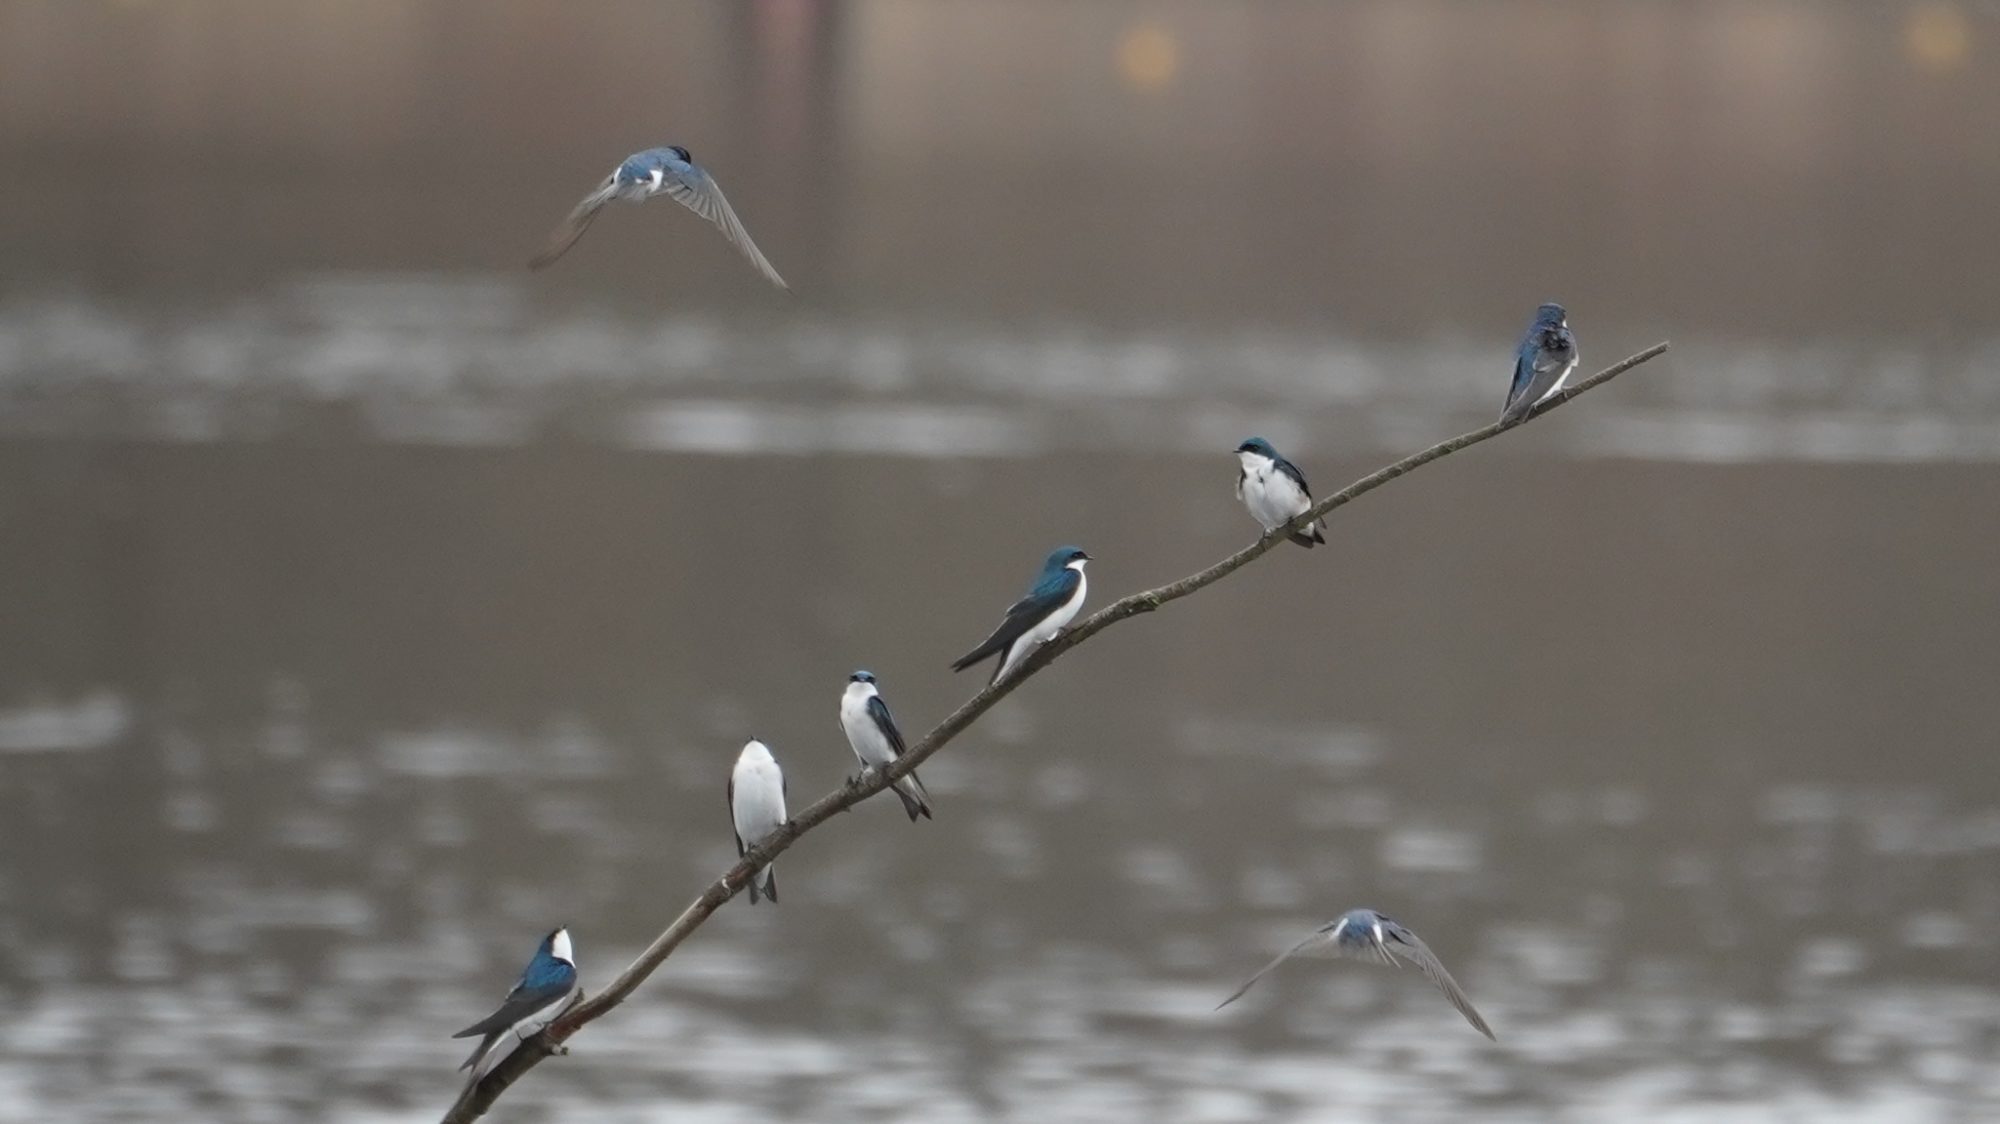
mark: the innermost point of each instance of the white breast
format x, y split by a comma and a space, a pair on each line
867, 740
1060, 619
758, 800
1272, 497
1045, 631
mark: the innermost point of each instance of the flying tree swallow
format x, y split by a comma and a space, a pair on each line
757, 808
649, 173
1035, 619
1545, 358
876, 741
1275, 491
547, 988
1366, 934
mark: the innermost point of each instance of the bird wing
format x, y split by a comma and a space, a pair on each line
879, 712
1295, 950
915, 786
1241, 476
572, 228
1411, 947
1292, 473
521, 1002
738, 832
1524, 371
696, 190
1021, 616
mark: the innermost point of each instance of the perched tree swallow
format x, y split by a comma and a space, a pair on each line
1545, 358
548, 987
646, 174
1274, 490
876, 741
757, 807
1366, 934
1035, 619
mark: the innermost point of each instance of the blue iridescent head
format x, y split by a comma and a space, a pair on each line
1258, 446
1064, 557
1551, 315
862, 677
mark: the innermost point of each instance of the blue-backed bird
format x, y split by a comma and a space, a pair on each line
1545, 358
655, 171
547, 988
1275, 491
1035, 619
1366, 934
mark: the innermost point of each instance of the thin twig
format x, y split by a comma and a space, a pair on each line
474, 1102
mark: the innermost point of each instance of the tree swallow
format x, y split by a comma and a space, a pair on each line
1274, 490
1035, 619
1366, 934
548, 987
646, 174
876, 741
757, 807
1545, 358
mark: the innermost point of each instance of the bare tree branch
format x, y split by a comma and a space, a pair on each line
474, 1102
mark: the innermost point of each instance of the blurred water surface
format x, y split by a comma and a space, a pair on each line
372, 605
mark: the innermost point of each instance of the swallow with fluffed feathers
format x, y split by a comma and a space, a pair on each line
756, 809
1544, 359
1275, 491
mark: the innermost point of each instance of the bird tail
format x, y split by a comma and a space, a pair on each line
1521, 405
763, 885
1309, 536
1013, 656
911, 792
489, 1059
977, 654
478, 1051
